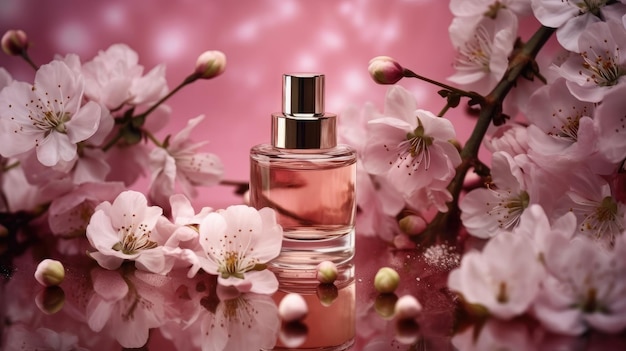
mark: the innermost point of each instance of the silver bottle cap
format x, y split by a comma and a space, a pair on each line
303, 124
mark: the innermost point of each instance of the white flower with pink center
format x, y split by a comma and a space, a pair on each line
600, 66
47, 116
504, 277
411, 147
237, 243
483, 45
573, 17
489, 211
599, 214
561, 126
123, 231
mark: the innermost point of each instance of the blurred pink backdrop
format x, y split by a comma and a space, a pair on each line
262, 39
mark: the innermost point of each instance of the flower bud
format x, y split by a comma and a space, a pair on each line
386, 280
385, 70
326, 272
407, 307
210, 64
292, 308
14, 42
412, 224
327, 294
50, 272
384, 305
50, 300
293, 334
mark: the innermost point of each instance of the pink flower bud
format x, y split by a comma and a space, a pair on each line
292, 308
14, 42
50, 272
385, 70
407, 307
412, 224
210, 64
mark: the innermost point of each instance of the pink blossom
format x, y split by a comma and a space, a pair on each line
229, 328
123, 231
562, 131
599, 214
69, 214
379, 202
504, 277
497, 208
237, 243
573, 17
411, 147
535, 224
600, 67
181, 235
180, 161
585, 288
483, 45
115, 78
127, 307
47, 116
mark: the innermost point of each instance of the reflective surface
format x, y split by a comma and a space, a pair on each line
97, 309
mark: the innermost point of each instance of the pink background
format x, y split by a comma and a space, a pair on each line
262, 39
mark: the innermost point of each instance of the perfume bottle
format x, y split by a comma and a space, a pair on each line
306, 178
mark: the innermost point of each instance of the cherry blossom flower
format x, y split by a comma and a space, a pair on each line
69, 214
181, 235
230, 327
573, 17
610, 121
115, 78
237, 243
599, 67
410, 146
562, 130
123, 231
488, 7
127, 306
535, 224
180, 161
497, 208
483, 45
504, 277
599, 214
585, 288
47, 116
378, 201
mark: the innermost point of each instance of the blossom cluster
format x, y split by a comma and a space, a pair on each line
551, 208
78, 137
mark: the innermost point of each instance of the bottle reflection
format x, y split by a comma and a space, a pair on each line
330, 322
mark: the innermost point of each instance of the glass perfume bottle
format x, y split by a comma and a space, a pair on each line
306, 177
